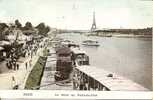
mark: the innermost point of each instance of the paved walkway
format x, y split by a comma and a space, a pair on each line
8, 80
3, 68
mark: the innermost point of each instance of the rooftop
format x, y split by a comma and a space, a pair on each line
115, 83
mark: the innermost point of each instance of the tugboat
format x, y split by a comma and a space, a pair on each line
90, 43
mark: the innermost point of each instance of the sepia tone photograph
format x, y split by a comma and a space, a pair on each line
79, 45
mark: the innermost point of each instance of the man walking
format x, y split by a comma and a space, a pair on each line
26, 65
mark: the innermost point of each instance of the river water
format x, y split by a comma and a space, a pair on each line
129, 57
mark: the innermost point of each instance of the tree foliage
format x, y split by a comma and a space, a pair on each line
43, 29
3, 26
28, 26
18, 24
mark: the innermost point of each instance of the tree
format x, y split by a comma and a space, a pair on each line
28, 26
47, 29
18, 24
40, 26
43, 29
3, 26
2, 29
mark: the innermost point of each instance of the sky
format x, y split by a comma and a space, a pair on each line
78, 14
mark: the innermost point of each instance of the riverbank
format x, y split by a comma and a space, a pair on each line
36, 59
35, 75
132, 36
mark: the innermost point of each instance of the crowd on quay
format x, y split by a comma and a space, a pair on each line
17, 42
20, 47
13, 59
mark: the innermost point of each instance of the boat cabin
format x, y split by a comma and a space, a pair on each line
80, 57
63, 52
70, 44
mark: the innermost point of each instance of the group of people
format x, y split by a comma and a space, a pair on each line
11, 61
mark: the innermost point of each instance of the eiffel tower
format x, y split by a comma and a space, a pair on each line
93, 27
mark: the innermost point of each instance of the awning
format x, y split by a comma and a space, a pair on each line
63, 50
2, 43
1, 48
115, 83
78, 51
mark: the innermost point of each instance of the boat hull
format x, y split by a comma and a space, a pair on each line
90, 44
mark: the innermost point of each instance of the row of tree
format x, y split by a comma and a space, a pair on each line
42, 28
2, 28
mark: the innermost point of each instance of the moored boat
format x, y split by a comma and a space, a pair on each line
90, 43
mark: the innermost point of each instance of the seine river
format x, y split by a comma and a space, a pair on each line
129, 57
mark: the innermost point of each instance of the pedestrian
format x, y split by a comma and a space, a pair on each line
31, 53
7, 64
17, 66
13, 81
28, 53
30, 63
15, 85
14, 64
26, 65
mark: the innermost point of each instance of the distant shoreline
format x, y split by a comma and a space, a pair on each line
122, 35
133, 36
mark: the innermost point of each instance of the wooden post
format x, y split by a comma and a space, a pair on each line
79, 79
94, 84
98, 86
101, 87
82, 80
88, 82
104, 88
90, 79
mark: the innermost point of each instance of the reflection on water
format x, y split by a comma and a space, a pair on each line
129, 57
